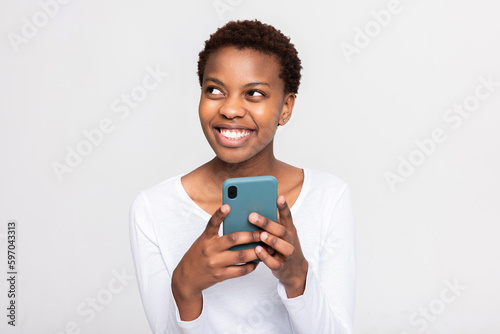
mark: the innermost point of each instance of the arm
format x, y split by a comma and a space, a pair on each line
326, 303
173, 300
153, 277
209, 261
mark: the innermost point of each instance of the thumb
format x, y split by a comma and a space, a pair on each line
213, 225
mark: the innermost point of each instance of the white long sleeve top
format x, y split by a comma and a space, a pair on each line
164, 222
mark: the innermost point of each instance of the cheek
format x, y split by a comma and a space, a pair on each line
268, 117
204, 121
208, 106
204, 112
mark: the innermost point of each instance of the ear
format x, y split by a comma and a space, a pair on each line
286, 110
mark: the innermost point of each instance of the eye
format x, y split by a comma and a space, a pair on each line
214, 91
255, 93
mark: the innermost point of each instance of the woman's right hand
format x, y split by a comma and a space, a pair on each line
209, 261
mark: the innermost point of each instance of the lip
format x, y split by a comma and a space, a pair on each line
232, 143
232, 126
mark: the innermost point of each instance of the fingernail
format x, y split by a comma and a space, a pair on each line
263, 235
223, 209
253, 217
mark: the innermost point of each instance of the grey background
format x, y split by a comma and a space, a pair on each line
354, 117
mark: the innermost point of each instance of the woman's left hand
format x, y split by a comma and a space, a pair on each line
287, 263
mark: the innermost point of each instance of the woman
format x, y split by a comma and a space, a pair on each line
190, 282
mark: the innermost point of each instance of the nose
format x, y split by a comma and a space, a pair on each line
232, 108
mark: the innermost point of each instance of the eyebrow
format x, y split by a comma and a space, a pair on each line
251, 84
217, 81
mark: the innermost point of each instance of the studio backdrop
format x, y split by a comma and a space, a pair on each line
399, 98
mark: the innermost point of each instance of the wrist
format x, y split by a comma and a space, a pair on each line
182, 293
296, 286
180, 287
188, 301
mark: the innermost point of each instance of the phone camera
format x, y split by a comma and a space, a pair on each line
232, 192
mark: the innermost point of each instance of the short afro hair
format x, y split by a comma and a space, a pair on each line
260, 37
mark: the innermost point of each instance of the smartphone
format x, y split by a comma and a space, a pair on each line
246, 195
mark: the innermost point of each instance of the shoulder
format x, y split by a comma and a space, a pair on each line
329, 197
325, 190
155, 204
320, 181
161, 192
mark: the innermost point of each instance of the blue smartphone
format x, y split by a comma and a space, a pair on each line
246, 195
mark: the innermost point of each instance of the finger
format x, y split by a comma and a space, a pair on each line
213, 225
268, 259
279, 245
285, 215
230, 258
270, 250
239, 270
240, 256
268, 225
238, 238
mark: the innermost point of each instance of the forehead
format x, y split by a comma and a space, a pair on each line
245, 65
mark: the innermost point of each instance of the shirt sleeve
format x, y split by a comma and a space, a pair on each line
327, 305
153, 278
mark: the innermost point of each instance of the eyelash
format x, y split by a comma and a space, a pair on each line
257, 91
211, 89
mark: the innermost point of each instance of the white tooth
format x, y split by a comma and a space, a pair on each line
234, 134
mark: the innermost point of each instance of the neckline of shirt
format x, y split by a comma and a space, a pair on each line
206, 215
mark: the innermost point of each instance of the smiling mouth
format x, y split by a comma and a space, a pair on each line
234, 134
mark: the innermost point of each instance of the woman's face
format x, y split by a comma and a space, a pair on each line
242, 102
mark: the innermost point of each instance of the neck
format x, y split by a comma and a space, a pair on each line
264, 164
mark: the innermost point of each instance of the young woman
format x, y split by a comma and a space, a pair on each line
190, 282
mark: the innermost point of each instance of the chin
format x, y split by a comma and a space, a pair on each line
233, 158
